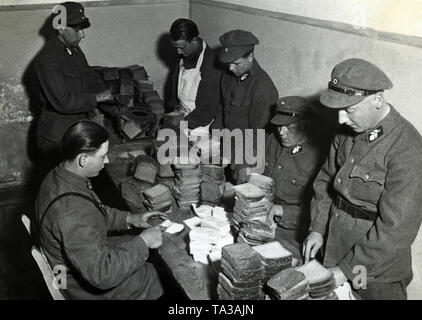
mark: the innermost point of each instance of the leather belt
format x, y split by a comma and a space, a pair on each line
354, 210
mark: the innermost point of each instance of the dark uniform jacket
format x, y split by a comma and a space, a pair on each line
379, 170
293, 170
208, 95
247, 104
74, 234
68, 87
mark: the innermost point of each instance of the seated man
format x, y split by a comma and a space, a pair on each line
293, 160
73, 224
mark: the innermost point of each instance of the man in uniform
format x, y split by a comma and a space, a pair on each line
293, 160
73, 226
70, 90
196, 80
248, 93
367, 202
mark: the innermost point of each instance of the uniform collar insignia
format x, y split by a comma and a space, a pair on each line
296, 149
69, 51
245, 76
89, 184
375, 134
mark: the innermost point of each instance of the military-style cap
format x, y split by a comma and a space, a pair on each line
292, 109
235, 44
75, 15
352, 81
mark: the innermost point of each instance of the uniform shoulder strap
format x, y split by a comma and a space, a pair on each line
60, 196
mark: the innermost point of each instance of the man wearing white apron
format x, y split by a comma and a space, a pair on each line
196, 81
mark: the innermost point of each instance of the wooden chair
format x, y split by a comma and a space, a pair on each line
43, 264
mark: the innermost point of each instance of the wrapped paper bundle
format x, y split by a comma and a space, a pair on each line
187, 177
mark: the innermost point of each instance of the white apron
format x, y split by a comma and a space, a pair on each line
188, 84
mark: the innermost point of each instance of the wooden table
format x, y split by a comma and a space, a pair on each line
197, 280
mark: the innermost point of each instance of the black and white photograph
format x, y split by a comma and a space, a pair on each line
211, 156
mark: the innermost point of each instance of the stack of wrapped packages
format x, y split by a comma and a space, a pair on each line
288, 284
321, 280
127, 91
274, 258
143, 177
210, 232
141, 83
153, 100
208, 147
132, 191
266, 184
165, 174
187, 181
123, 81
252, 215
212, 185
158, 198
213, 166
241, 275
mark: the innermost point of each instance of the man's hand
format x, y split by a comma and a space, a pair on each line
311, 245
339, 276
277, 212
243, 176
153, 237
104, 96
141, 220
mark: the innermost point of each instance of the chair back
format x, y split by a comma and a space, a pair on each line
41, 260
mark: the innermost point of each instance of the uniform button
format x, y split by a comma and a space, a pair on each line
367, 177
339, 180
294, 181
337, 215
352, 161
279, 167
266, 164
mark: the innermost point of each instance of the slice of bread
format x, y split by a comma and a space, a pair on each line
272, 250
315, 272
249, 192
261, 181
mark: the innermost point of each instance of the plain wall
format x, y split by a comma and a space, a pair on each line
120, 35
399, 16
